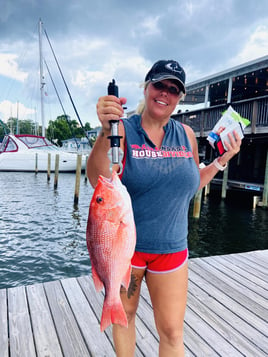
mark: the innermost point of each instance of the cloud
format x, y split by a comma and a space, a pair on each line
9, 109
255, 47
96, 41
9, 67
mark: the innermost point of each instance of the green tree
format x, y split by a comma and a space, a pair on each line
26, 126
64, 128
3, 129
87, 126
58, 130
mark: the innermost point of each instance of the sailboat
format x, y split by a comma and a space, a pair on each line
21, 152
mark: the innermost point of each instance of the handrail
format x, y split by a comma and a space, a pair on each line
203, 120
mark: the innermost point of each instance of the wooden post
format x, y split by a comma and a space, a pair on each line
77, 179
36, 163
57, 162
48, 166
256, 200
265, 187
207, 189
224, 182
254, 117
197, 203
86, 169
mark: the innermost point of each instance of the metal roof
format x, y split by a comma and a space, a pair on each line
254, 65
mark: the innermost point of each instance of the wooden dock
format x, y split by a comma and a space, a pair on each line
227, 314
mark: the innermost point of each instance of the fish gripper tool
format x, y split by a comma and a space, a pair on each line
115, 154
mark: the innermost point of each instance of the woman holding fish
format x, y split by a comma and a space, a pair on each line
161, 173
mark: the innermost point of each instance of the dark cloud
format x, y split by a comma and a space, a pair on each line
96, 40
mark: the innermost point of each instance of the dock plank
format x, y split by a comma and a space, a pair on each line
209, 334
44, 332
226, 314
253, 282
229, 326
20, 329
232, 288
241, 317
69, 334
245, 266
3, 323
97, 343
258, 256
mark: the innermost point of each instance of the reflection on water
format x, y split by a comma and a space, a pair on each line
228, 226
42, 233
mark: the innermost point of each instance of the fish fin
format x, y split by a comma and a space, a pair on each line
127, 277
113, 314
97, 282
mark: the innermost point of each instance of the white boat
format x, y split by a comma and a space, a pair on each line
18, 153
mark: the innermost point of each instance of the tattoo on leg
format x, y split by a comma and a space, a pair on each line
132, 286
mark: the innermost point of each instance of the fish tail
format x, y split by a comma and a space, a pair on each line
113, 314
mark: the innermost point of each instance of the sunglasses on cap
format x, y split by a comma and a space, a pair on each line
163, 87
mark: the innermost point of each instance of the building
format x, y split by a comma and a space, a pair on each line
245, 87
81, 145
77, 145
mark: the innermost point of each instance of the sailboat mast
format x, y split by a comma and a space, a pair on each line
42, 80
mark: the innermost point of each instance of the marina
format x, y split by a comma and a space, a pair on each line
226, 313
48, 303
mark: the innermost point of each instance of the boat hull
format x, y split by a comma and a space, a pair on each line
17, 156
27, 162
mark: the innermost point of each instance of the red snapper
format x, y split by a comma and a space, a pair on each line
111, 240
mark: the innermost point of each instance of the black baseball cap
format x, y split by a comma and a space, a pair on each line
167, 69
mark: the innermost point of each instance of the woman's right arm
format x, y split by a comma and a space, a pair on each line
108, 108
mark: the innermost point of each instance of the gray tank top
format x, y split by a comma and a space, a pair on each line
161, 183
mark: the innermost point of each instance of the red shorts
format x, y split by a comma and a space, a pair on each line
159, 263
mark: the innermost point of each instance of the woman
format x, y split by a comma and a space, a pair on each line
160, 171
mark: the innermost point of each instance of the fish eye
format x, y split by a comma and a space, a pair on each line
99, 199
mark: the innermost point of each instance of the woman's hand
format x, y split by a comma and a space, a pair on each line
109, 108
233, 148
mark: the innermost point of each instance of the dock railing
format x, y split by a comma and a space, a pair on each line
203, 120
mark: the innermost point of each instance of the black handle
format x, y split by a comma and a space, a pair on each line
114, 137
113, 89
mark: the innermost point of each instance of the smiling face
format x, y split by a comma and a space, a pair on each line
161, 100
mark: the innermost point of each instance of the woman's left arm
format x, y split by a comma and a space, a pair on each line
207, 173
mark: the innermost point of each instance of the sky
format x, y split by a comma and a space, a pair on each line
96, 41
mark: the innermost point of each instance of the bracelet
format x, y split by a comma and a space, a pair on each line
218, 165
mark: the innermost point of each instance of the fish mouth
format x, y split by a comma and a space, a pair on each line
108, 181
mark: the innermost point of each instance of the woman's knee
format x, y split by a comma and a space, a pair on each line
173, 335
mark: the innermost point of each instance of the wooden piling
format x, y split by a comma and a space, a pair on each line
48, 166
36, 163
77, 179
256, 200
197, 203
224, 182
265, 187
57, 162
86, 169
207, 189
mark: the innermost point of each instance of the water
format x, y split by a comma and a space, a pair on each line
228, 226
42, 234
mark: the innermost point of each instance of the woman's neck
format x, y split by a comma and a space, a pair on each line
154, 129
151, 123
